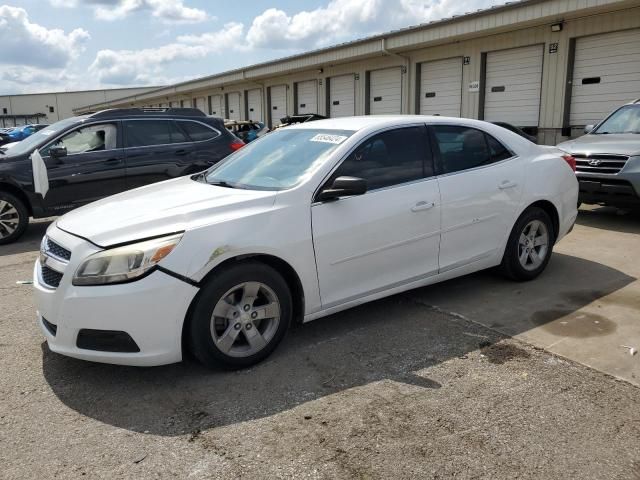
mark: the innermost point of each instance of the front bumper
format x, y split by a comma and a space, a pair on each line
150, 311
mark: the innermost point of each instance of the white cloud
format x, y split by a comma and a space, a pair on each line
123, 67
26, 43
169, 11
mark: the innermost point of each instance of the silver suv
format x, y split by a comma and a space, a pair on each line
608, 159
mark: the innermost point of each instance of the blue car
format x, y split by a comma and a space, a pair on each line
19, 133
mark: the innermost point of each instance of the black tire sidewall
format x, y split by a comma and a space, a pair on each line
511, 263
200, 340
23, 219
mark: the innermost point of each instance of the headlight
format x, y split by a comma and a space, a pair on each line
124, 263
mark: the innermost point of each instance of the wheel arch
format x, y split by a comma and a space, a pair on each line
551, 210
15, 191
289, 274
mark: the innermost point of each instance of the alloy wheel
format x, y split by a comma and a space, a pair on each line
9, 219
533, 245
245, 319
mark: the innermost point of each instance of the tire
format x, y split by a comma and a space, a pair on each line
14, 218
233, 326
520, 246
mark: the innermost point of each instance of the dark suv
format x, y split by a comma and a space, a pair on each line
96, 155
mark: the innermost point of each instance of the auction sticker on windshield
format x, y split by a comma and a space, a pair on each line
325, 138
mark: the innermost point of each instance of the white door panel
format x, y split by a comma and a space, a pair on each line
254, 104
216, 106
307, 97
342, 93
371, 242
233, 108
385, 91
513, 84
606, 74
441, 87
201, 104
278, 96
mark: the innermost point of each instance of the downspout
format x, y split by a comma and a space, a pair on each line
407, 67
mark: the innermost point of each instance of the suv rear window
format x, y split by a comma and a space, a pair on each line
197, 131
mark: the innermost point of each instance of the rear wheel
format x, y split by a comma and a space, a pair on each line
240, 316
14, 218
529, 246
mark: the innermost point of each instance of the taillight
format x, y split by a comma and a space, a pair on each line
571, 161
236, 145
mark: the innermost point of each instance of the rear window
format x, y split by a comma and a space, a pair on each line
197, 131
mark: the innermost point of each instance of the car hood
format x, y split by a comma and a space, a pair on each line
621, 144
161, 208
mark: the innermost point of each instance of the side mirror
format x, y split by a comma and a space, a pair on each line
588, 128
343, 187
57, 152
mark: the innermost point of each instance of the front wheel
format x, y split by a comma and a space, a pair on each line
529, 246
240, 316
14, 218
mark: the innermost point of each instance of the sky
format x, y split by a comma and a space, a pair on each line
62, 45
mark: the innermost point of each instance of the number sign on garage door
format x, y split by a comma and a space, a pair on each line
441, 87
307, 97
254, 105
606, 74
385, 91
342, 96
277, 103
215, 106
512, 86
233, 106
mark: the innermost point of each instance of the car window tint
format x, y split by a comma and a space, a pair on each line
498, 151
461, 148
198, 132
389, 158
142, 133
177, 135
92, 138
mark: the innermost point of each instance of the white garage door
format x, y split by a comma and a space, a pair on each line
233, 108
342, 96
215, 106
441, 87
201, 104
606, 74
254, 104
512, 86
307, 97
385, 91
278, 97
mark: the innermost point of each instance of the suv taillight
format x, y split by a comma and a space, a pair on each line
571, 161
236, 145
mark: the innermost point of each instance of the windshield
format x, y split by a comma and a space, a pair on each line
39, 138
624, 120
277, 161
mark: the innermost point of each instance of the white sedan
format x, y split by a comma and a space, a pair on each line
307, 221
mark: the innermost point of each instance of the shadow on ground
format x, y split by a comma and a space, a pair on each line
610, 218
391, 339
30, 241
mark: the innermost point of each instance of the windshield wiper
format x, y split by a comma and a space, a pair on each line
222, 183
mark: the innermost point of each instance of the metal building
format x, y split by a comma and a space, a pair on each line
550, 66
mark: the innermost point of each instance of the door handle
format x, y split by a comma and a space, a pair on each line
420, 206
113, 161
181, 152
506, 184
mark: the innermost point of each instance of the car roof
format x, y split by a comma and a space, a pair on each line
381, 121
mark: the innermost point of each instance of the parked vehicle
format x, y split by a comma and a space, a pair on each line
517, 130
246, 130
302, 223
94, 156
302, 118
608, 159
17, 134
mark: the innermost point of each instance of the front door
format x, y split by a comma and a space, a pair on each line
92, 169
481, 186
390, 235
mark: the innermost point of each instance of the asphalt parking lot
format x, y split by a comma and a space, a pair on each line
473, 378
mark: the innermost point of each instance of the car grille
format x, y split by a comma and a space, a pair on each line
599, 163
50, 277
57, 250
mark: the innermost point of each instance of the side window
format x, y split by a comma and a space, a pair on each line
497, 150
461, 148
142, 133
177, 135
197, 131
92, 138
390, 158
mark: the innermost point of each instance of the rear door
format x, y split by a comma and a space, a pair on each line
93, 168
481, 186
390, 235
